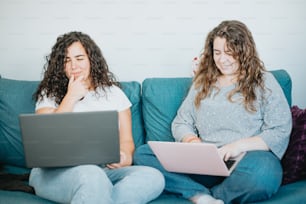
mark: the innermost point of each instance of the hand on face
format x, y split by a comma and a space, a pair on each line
77, 88
77, 68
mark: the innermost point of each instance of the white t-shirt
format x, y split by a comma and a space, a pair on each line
113, 98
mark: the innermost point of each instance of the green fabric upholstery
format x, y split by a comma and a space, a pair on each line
16, 98
162, 97
285, 82
133, 90
15, 197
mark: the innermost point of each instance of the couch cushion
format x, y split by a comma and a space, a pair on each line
293, 193
15, 197
294, 160
132, 90
161, 97
16, 98
285, 82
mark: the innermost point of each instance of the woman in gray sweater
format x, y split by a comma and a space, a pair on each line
236, 104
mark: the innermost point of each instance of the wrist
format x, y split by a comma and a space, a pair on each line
191, 139
71, 98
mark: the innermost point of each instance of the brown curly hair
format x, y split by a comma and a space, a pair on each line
55, 81
240, 42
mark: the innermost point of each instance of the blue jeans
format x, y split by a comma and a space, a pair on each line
257, 177
95, 185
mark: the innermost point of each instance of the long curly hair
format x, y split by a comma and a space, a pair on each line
240, 42
55, 81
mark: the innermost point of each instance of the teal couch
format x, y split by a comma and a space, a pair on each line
155, 103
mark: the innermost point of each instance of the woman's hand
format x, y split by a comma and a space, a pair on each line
77, 88
230, 150
243, 145
125, 160
191, 139
126, 140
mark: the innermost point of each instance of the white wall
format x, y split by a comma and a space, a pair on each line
157, 38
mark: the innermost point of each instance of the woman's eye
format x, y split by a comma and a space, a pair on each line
229, 53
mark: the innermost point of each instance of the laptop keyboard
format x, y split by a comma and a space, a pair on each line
229, 163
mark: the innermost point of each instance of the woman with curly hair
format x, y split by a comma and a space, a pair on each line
239, 106
76, 79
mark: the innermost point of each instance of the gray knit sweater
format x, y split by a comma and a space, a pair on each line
220, 121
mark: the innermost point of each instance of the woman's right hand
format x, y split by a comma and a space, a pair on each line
230, 150
77, 88
191, 139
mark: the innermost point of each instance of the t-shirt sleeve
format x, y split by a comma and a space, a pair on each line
45, 102
121, 100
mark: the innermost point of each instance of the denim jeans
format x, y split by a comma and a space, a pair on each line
95, 185
256, 177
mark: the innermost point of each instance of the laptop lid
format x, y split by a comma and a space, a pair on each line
69, 139
192, 158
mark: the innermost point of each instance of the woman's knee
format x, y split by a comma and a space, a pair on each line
141, 154
256, 177
149, 180
153, 177
263, 172
143, 149
73, 184
136, 184
91, 175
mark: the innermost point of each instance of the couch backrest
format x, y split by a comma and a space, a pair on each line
16, 98
153, 109
161, 97
133, 92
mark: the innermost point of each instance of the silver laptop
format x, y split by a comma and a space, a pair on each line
193, 158
69, 139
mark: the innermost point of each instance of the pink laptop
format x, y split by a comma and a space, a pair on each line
193, 158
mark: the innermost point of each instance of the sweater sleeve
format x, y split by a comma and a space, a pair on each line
184, 122
277, 120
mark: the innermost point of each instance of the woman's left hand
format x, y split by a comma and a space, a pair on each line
243, 145
230, 150
125, 160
